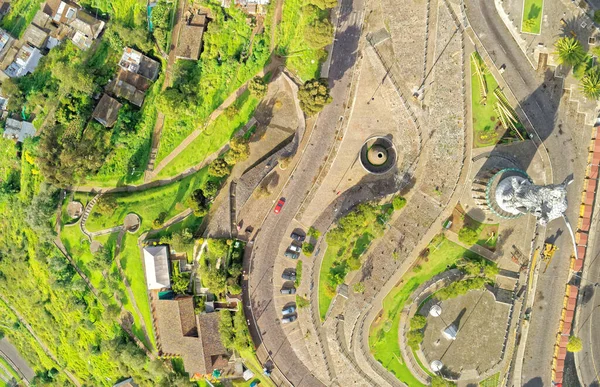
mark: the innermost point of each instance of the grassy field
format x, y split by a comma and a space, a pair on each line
492, 381
325, 296
383, 336
532, 16
487, 130
11, 370
212, 138
148, 204
300, 58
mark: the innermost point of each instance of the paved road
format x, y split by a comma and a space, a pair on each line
540, 97
8, 351
274, 229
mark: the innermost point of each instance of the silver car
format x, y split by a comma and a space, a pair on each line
295, 248
288, 290
289, 310
289, 319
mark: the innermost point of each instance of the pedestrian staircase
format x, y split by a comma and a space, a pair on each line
86, 213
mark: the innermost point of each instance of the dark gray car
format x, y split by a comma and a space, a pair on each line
289, 275
289, 319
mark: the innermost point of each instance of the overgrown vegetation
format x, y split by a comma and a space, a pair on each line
346, 244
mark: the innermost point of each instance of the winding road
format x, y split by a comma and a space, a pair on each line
275, 227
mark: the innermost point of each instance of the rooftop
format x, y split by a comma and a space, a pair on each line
156, 262
18, 130
138, 63
107, 111
87, 24
189, 43
130, 86
35, 36
61, 11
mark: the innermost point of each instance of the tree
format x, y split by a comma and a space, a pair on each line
217, 248
198, 202
398, 202
418, 321
257, 87
468, 236
569, 51
314, 95
324, 4
218, 168
107, 204
308, 248
575, 344
590, 84
491, 271
210, 189
319, 34
238, 151
415, 338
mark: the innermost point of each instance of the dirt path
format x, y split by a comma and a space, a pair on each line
274, 64
275, 22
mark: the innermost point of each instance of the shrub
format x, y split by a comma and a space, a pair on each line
218, 168
298, 273
414, 339
313, 233
319, 34
468, 236
398, 203
597, 17
418, 321
308, 248
257, 87
575, 344
301, 302
359, 287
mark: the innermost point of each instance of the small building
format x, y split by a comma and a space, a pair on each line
61, 11
130, 86
18, 130
156, 262
87, 28
138, 63
35, 36
107, 111
194, 338
189, 44
25, 62
126, 383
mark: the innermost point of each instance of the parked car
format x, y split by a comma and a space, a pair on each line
289, 319
279, 205
295, 248
289, 276
289, 310
291, 290
298, 237
291, 254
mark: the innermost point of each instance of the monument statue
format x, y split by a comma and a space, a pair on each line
517, 195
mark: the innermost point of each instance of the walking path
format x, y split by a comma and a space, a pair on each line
151, 175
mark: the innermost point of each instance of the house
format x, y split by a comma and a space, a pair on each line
87, 28
126, 383
6, 42
189, 44
130, 86
55, 33
61, 11
18, 130
35, 36
156, 262
138, 63
194, 338
107, 111
25, 62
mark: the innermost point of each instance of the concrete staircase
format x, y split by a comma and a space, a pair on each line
86, 213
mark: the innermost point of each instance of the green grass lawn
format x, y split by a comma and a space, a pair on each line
325, 296
532, 16
148, 204
492, 381
211, 139
383, 336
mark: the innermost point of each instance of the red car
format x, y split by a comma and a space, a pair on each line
279, 205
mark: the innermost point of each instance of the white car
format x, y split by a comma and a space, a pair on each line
295, 248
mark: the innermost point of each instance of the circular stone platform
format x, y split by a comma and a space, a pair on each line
95, 246
74, 209
132, 222
378, 155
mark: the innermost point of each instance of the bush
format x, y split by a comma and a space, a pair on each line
458, 288
298, 273
257, 87
597, 17
218, 168
359, 287
468, 236
575, 344
319, 34
160, 220
301, 302
414, 339
398, 203
418, 322
313, 233
308, 248
313, 96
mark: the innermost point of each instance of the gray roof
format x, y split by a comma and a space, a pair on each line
35, 36
156, 262
87, 24
18, 130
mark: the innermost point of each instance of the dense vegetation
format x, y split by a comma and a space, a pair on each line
570, 52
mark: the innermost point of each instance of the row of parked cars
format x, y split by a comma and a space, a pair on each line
289, 275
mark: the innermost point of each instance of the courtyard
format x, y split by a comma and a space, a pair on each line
481, 326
